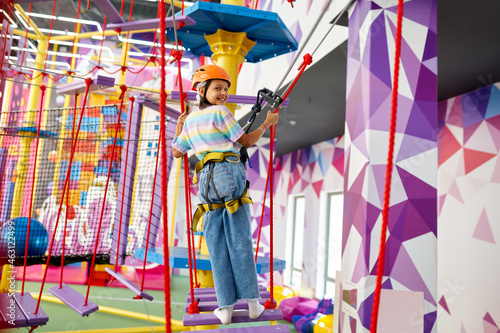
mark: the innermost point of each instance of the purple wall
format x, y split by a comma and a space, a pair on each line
469, 214
410, 262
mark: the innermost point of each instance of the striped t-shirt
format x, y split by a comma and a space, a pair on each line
213, 129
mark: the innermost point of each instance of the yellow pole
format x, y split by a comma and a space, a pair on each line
176, 3
25, 141
229, 50
18, 32
31, 23
233, 2
123, 74
4, 283
176, 195
50, 83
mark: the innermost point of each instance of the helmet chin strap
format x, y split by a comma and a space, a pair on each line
204, 97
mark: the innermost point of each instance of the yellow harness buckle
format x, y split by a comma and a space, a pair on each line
213, 157
231, 206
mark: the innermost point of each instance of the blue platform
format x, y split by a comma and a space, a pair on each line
266, 28
178, 258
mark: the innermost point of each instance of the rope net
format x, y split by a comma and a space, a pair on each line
83, 203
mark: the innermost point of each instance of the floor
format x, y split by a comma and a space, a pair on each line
63, 319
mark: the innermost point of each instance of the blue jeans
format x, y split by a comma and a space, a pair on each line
228, 236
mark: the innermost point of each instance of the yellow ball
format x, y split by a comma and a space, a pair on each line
281, 292
324, 324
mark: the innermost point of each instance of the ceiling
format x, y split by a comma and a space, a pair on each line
468, 58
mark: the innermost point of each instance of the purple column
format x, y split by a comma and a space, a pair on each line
128, 167
410, 262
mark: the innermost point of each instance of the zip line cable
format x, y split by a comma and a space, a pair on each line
298, 52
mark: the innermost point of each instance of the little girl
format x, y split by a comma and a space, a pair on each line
212, 133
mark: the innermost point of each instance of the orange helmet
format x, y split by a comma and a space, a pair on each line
209, 72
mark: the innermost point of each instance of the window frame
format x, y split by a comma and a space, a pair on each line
291, 233
323, 260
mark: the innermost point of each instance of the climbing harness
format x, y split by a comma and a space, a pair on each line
231, 205
212, 158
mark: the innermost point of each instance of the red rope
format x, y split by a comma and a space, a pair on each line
190, 220
193, 305
67, 197
37, 141
73, 47
124, 64
88, 82
131, 99
196, 284
177, 56
11, 4
164, 176
388, 171
150, 214
262, 214
270, 303
102, 43
59, 78
112, 73
50, 32
140, 70
153, 51
121, 8
123, 88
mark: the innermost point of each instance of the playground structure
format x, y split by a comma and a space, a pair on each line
372, 86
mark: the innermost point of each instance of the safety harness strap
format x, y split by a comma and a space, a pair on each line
231, 205
213, 157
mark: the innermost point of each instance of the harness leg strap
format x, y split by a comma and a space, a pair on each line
231, 205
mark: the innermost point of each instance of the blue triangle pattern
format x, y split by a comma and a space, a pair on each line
493, 108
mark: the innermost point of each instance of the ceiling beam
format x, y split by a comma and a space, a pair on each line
109, 11
31, 23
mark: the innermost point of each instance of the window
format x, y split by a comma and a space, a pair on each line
295, 233
330, 253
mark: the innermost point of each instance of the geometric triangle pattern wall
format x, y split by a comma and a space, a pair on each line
469, 212
308, 172
411, 259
